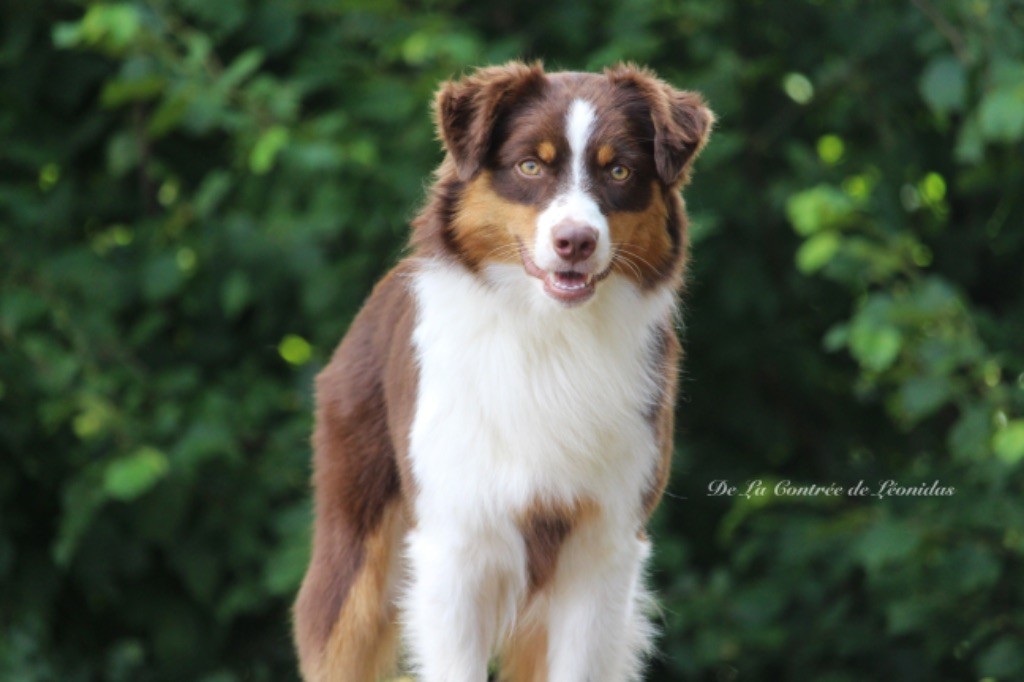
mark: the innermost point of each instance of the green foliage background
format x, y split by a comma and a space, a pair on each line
196, 196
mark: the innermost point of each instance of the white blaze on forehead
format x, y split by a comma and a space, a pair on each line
579, 123
574, 202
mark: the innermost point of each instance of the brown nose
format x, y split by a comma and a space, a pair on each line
574, 241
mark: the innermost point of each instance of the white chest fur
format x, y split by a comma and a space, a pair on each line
520, 398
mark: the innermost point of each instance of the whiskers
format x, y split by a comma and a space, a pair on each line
503, 252
629, 256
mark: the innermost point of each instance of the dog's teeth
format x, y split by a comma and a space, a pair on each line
571, 282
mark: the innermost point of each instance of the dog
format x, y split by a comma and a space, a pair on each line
495, 428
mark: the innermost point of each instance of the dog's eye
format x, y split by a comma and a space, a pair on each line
619, 173
530, 167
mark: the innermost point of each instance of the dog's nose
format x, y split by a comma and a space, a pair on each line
574, 241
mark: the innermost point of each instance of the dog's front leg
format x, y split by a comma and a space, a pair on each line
460, 599
597, 626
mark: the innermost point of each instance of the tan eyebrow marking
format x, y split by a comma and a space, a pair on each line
605, 155
546, 152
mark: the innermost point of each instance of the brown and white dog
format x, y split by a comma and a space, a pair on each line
496, 427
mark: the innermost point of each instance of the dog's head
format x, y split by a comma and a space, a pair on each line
575, 176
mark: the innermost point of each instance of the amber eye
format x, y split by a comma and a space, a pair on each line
530, 167
619, 173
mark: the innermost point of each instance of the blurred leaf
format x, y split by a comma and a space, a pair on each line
815, 209
837, 337
95, 417
236, 293
82, 498
922, 396
171, 111
886, 541
283, 573
970, 145
112, 27
904, 616
131, 476
200, 573
970, 438
1002, 660
873, 340
1008, 442
944, 84
1001, 114
66, 34
57, 368
204, 440
212, 192
295, 350
225, 15
20, 307
244, 66
267, 147
976, 567
933, 297
123, 153
163, 278
817, 251
116, 93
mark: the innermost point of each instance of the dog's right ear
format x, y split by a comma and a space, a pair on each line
466, 110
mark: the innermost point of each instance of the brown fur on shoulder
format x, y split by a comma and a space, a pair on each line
364, 410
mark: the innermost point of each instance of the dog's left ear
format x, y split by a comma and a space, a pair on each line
682, 121
467, 110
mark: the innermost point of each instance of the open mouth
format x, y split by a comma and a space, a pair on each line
571, 287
